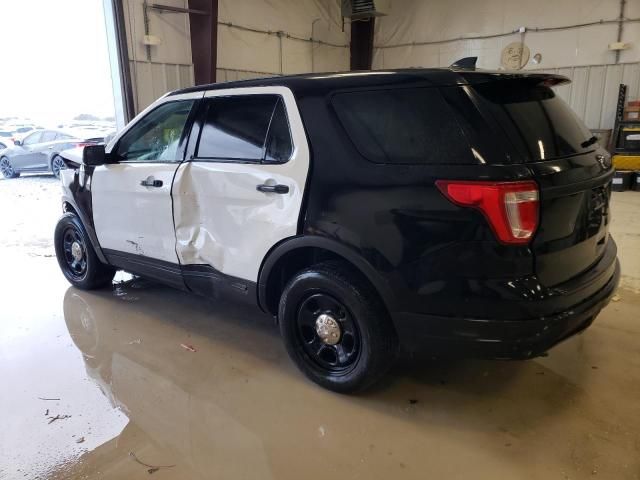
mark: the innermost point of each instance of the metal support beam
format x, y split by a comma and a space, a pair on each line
122, 82
362, 44
203, 20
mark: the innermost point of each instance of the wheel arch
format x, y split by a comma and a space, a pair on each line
70, 206
293, 254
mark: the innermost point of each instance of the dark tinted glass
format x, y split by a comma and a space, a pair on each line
279, 147
409, 126
236, 127
538, 122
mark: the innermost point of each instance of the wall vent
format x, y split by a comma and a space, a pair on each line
360, 9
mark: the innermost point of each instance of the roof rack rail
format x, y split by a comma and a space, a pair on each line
467, 63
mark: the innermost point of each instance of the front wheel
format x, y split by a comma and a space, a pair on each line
76, 256
336, 328
7, 169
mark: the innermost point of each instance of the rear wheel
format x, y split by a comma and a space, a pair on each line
335, 327
7, 169
76, 256
57, 164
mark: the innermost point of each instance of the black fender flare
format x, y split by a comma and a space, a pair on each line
88, 226
340, 249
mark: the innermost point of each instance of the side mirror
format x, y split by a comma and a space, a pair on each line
94, 155
17, 143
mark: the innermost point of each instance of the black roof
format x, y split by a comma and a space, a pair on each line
310, 82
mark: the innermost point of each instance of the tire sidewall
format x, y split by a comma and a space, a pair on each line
301, 287
93, 263
15, 174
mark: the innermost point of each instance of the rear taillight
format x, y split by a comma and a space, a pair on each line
511, 208
83, 144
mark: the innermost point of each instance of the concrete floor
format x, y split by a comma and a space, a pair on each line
237, 408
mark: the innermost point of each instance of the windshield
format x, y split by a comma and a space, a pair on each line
538, 122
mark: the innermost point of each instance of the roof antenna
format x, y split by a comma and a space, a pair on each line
466, 63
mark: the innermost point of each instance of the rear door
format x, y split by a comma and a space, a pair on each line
241, 190
40, 151
573, 172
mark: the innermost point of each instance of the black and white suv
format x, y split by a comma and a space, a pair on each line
445, 209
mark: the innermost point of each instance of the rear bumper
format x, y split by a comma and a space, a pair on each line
510, 339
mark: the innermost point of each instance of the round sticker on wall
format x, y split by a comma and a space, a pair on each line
515, 56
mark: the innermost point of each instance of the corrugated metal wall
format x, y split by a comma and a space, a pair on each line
593, 92
151, 80
158, 69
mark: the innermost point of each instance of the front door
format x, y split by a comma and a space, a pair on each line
132, 206
25, 156
241, 190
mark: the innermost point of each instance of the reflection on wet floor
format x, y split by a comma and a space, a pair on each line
237, 408
234, 407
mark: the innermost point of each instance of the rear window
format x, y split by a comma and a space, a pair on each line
402, 126
538, 122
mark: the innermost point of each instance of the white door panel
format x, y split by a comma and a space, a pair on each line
222, 220
133, 218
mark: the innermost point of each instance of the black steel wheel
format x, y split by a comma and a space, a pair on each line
75, 252
328, 333
7, 169
336, 328
57, 164
76, 256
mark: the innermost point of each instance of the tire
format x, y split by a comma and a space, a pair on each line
7, 169
77, 258
336, 328
57, 164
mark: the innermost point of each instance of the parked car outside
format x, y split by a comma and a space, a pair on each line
6, 139
455, 211
38, 152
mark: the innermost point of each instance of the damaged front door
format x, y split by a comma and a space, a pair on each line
132, 205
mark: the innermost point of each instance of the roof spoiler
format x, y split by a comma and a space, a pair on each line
466, 63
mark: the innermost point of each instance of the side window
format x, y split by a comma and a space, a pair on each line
402, 126
32, 139
48, 136
278, 147
156, 136
236, 127
63, 136
247, 128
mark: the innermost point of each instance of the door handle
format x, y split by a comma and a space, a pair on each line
151, 183
272, 188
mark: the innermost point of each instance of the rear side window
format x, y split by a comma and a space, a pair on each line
402, 126
48, 136
538, 122
250, 128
